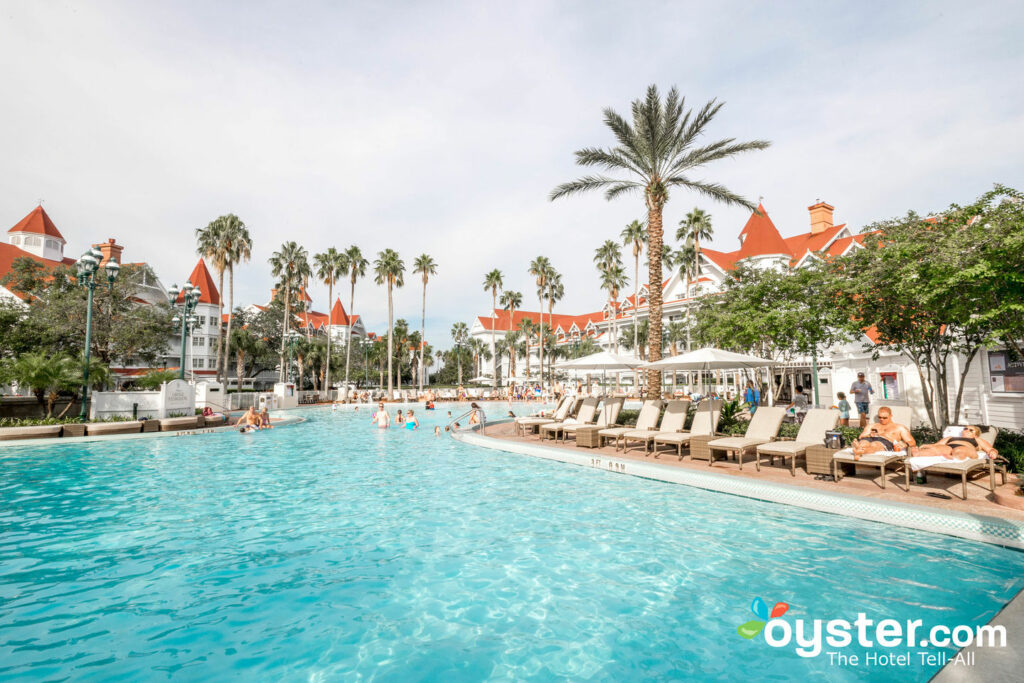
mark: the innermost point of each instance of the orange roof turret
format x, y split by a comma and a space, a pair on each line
760, 237
200, 276
39, 223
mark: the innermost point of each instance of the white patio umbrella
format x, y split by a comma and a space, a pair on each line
603, 361
482, 379
710, 359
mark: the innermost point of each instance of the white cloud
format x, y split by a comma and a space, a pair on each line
442, 128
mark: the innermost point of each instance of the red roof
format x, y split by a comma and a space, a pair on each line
339, 316
9, 252
207, 290
39, 223
501, 320
760, 237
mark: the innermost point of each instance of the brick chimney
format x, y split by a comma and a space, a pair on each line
110, 249
821, 217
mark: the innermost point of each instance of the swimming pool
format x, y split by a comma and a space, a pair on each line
330, 550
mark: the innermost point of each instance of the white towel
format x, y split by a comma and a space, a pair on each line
923, 461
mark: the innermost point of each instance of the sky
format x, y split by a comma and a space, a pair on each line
442, 127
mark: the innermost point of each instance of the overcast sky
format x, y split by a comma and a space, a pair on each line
443, 127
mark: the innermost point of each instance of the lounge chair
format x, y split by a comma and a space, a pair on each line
816, 422
546, 413
964, 467
672, 421
647, 418
705, 421
585, 416
763, 428
883, 459
608, 416
569, 407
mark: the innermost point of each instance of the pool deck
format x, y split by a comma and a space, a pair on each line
977, 518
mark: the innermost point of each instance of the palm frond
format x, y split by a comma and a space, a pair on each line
714, 191
583, 184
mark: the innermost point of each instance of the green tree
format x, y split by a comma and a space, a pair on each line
608, 259
226, 242
540, 268
635, 235
154, 379
527, 328
47, 376
659, 151
290, 265
390, 271
460, 335
425, 266
493, 282
511, 301
331, 266
357, 265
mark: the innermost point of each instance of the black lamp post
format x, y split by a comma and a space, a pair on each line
88, 265
293, 337
187, 320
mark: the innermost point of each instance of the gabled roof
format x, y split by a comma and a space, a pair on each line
9, 252
39, 223
800, 244
760, 237
208, 293
339, 316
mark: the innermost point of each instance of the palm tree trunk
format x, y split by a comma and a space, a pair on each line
654, 241
284, 335
221, 356
391, 334
636, 309
240, 368
231, 308
423, 334
540, 336
494, 354
348, 340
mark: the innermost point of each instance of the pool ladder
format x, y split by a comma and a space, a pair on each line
483, 420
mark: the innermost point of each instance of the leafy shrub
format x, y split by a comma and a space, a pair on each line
44, 421
628, 418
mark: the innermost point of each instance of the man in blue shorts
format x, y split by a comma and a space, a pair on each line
862, 391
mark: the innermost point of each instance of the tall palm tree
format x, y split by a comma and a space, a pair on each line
425, 266
635, 234
510, 301
239, 250
290, 265
460, 333
493, 281
658, 151
688, 260
356, 269
613, 278
556, 291
331, 266
696, 226
389, 270
211, 243
540, 267
608, 257
527, 328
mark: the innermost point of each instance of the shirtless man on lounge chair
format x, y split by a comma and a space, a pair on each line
884, 435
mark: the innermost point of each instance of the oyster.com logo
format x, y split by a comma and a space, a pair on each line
760, 609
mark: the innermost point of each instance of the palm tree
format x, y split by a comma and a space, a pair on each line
696, 226
608, 259
635, 234
527, 328
331, 266
211, 244
510, 301
613, 278
658, 151
425, 266
356, 269
540, 267
47, 376
401, 334
511, 341
556, 291
290, 265
245, 344
459, 334
225, 241
390, 271
493, 281
688, 260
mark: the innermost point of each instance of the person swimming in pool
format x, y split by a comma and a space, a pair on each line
398, 417
411, 422
381, 417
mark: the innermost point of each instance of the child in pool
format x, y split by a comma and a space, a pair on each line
411, 422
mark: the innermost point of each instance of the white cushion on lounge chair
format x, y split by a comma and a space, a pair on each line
812, 431
647, 418
846, 455
763, 427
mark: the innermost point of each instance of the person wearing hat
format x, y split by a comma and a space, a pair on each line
862, 391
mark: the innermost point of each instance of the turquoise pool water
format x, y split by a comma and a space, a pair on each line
330, 550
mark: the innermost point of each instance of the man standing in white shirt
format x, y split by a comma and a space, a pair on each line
862, 391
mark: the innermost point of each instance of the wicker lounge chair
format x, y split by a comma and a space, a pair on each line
672, 422
585, 416
564, 409
608, 417
816, 422
900, 415
646, 420
704, 424
969, 466
763, 428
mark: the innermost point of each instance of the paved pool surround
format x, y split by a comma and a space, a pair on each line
987, 529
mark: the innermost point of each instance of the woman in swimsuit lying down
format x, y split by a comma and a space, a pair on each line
963, 447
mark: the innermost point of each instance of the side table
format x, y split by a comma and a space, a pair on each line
699, 446
819, 459
586, 437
